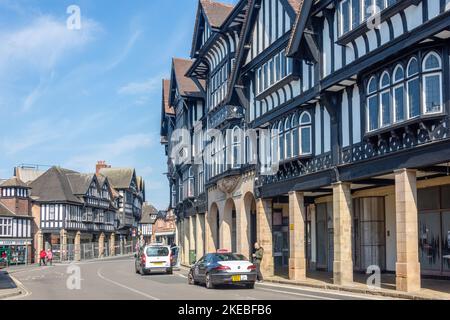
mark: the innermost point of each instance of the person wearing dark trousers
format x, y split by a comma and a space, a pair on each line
42, 256
257, 258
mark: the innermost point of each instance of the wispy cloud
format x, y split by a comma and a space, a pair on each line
139, 88
115, 151
42, 43
126, 50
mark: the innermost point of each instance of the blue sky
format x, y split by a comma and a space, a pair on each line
72, 97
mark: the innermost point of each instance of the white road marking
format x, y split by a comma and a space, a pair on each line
25, 291
182, 275
331, 292
125, 287
298, 294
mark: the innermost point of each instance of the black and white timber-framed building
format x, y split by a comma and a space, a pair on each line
350, 103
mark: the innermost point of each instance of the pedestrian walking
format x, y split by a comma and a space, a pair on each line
50, 257
257, 258
42, 256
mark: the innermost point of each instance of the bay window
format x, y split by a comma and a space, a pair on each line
409, 95
305, 133
274, 70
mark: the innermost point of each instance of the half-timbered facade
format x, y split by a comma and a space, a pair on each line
70, 208
349, 104
131, 196
149, 216
15, 221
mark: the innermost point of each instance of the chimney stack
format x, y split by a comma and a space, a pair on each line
101, 165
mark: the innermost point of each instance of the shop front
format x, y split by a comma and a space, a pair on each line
15, 252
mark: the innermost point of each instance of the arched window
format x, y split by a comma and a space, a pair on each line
432, 83
295, 136
372, 105
385, 99
413, 86
236, 145
305, 133
399, 94
287, 137
281, 141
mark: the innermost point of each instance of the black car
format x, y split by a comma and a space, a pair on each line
223, 268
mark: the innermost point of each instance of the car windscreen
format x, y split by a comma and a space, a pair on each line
229, 257
157, 251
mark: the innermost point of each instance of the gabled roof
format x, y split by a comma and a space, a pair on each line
186, 86
14, 183
80, 182
54, 186
5, 211
147, 211
119, 178
166, 107
299, 26
216, 12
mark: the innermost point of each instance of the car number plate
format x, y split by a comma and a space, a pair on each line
236, 278
158, 263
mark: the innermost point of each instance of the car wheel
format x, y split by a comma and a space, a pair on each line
191, 279
142, 272
209, 284
250, 286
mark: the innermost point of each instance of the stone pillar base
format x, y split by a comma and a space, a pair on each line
407, 283
342, 272
297, 269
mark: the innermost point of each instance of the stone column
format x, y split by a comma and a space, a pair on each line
408, 266
186, 241
101, 245
209, 236
192, 245
264, 235
63, 244
78, 246
39, 245
112, 244
313, 261
297, 217
243, 228
342, 224
199, 245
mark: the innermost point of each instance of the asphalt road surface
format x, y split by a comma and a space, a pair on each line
116, 280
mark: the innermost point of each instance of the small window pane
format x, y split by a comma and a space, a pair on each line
399, 74
413, 67
399, 103
432, 62
373, 113
345, 16
386, 108
433, 93
306, 118
372, 85
306, 140
385, 80
414, 98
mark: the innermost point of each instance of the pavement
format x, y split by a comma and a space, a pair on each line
8, 287
116, 279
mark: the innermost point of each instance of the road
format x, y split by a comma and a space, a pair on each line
116, 280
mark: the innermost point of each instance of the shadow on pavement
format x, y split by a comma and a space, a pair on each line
5, 281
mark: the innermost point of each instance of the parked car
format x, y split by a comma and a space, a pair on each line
223, 268
154, 259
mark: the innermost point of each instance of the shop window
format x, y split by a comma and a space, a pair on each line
428, 199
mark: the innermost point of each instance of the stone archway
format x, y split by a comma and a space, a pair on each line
228, 228
250, 222
214, 224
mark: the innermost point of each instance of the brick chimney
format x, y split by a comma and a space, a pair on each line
101, 165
